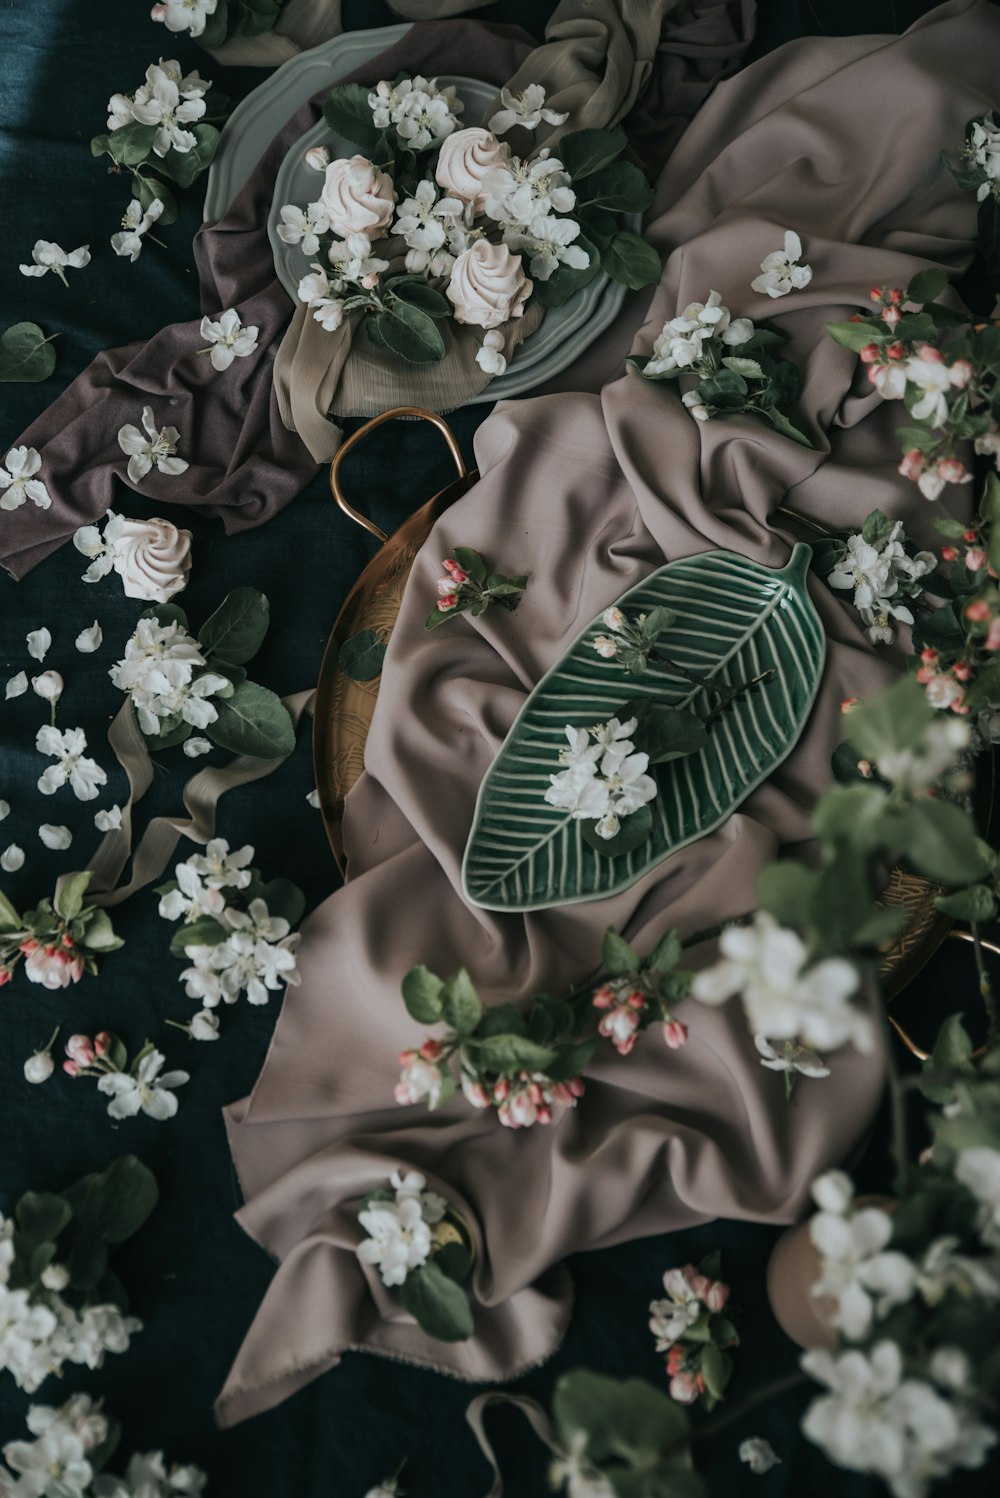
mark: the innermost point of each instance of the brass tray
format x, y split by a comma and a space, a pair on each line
344, 709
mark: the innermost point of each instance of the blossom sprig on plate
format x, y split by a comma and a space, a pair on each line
236, 930
135, 1086
60, 939
72, 1447
526, 1062
59, 1302
735, 362
483, 230
879, 564
468, 585
178, 683
632, 644
692, 1326
169, 126
978, 171
422, 1249
942, 364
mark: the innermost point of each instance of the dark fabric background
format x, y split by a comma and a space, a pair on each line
195, 1279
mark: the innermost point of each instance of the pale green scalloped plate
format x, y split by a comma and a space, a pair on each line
735, 620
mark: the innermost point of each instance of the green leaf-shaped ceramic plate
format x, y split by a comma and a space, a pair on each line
735, 620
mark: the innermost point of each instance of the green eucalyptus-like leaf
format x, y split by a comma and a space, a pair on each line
131, 144
415, 290
113, 1204
99, 934
183, 167
235, 632
666, 954
583, 152
206, 931
26, 355
70, 891
41, 1216
511, 1053
632, 262
9, 918
348, 113
254, 722
977, 904
422, 991
926, 286
857, 335
439, 1306
361, 655
618, 188
148, 190
411, 333
460, 1005
939, 839
616, 955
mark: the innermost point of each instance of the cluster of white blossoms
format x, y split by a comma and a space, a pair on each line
421, 113
58, 1460
922, 764
158, 672
40, 1331
184, 15
604, 779
399, 1227
167, 100
881, 573
682, 344
984, 151
785, 998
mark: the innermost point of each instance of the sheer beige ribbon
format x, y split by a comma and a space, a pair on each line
306, 23
201, 797
532, 1412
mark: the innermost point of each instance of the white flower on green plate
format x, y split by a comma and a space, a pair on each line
18, 481
148, 1091
425, 218
781, 270
303, 226
228, 339
84, 776
156, 446
549, 242
47, 256
527, 109
135, 224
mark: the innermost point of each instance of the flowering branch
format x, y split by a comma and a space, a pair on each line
469, 585
60, 939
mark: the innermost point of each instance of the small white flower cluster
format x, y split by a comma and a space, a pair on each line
399, 1229
58, 1459
166, 100
421, 113
875, 572
921, 765
530, 201
682, 343
527, 109
784, 997
228, 339
40, 1331
18, 482
604, 780
984, 151
184, 15
257, 955
158, 673
928, 384
436, 229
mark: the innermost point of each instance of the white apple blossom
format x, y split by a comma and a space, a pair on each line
669, 1319
874, 571
101, 549
135, 224
782, 272
18, 482
160, 102
419, 1081
317, 291
47, 256
783, 996
192, 899
790, 1056
303, 226
984, 149
682, 341
12, 859
121, 107
352, 260
196, 745
549, 242
38, 641
257, 959
489, 355
317, 158
228, 339
55, 837
204, 1025
941, 1269
148, 1090
221, 869
156, 447
16, 686
157, 672
184, 15
399, 1231
863, 1277
48, 686
73, 768
519, 192
603, 781
759, 1455
933, 378
109, 820
527, 109
979, 1168
422, 113
424, 220
922, 764
39, 1068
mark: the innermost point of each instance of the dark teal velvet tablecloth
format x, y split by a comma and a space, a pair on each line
195, 1279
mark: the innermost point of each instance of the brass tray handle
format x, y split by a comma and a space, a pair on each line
369, 426
907, 1039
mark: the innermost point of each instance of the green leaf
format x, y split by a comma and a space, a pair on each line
893, 720
10, 920
716, 1369
454, 1261
567, 280
206, 931
598, 225
411, 334
253, 721
666, 733
438, 1306
166, 613
26, 355
926, 286
877, 528
985, 690
70, 891
635, 829
502, 1019
511, 1053
148, 190
952, 1046
616, 954
788, 428
571, 1060
41, 1216
415, 290
252, 17
460, 1006
620, 188
361, 656
631, 261
471, 562
131, 144
422, 991
624, 1418
977, 903
88, 1263
437, 616
852, 814
99, 933
785, 890
114, 1204
938, 838
100, 145
284, 899
857, 335
667, 952
235, 632
348, 113
216, 26
184, 167
583, 152
548, 1017
748, 368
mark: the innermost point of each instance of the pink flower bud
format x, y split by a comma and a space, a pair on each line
969, 535
891, 316
913, 464
961, 671
447, 602
949, 554
870, 353
992, 641
67, 940
896, 351
501, 1090
455, 572
960, 373
675, 1360
606, 647
544, 1114
318, 157
848, 704
975, 558
952, 470
604, 997
684, 1388
370, 281
930, 354
432, 1050
475, 1092
80, 1048
875, 294
636, 1000
675, 1034
718, 1294
445, 586
978, 611
865, 769
895, 294
103, 1042
926, 674
70, 1068
700, 1285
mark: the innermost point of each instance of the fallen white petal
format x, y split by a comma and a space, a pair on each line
108, 821
55, 837
195, 746
16, 686
11, 859
89, 640
4, 809
39, 641
313, 799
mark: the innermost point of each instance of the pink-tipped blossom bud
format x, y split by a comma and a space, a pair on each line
675, 1360
454, 571
891, 316
475, 1092
961, 671
969, 535
445, 586
80, 1048
70, 1068
975, 558
501, 1090
960, 373
604, 997
614, 619
103, 1042
913, 464
636, 1000
318, 157
432, 1050
684, 1388
675, 1034
700, 1285
895, 294
875, 294
848, 704
606, 647
978, 611
949, 554
952, 470
992, 641
865, 769
930, 354
717, 1295
370, 281
447, 602
896, 351
544, 1114
926, 674
870, 353
928, 655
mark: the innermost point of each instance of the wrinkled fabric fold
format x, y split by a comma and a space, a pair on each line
588, 494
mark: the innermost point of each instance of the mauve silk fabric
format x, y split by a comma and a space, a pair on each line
589, 493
